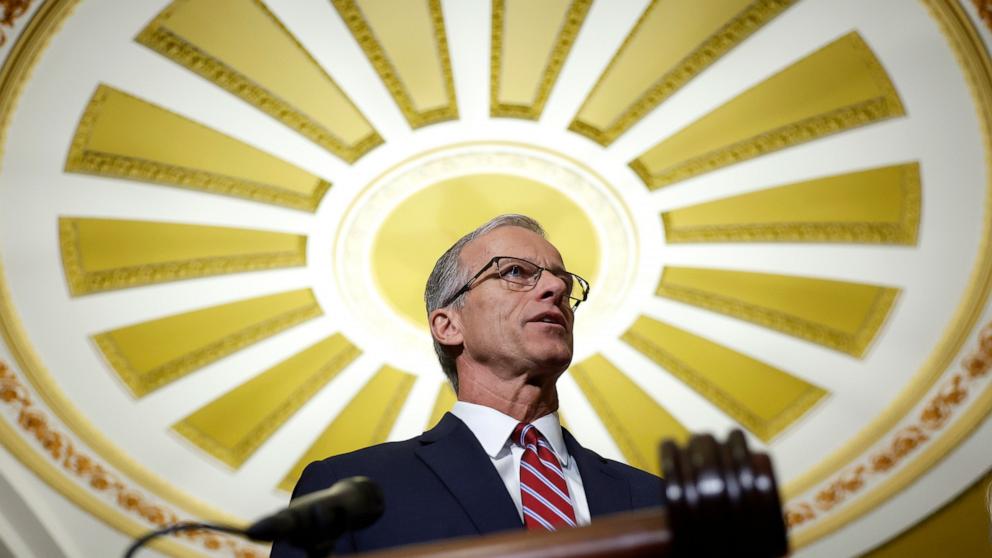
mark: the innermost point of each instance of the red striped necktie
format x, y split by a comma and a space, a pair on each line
543, 490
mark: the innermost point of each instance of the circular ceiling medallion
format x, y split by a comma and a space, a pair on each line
397, 226
214, 248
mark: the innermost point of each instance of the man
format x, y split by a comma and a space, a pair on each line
501, 307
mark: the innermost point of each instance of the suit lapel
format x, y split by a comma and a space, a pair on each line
456, 457
606, 491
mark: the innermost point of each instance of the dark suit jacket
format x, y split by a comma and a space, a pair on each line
442, 484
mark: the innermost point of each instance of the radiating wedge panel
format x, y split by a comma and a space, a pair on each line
234, 425
241, 46
406, 42
107, 254
530, 41
636, 422
836, 88
673, 41
443, 403
366, 421
763, 399
125, 137
837, 314
149, 355
875, 206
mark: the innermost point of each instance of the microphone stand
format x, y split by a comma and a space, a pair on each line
176, 528
320, 549
312, 523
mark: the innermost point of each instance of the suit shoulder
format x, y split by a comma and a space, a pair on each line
374, 462
632, 473
378, 451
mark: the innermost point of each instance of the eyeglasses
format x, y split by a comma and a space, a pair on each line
522, 275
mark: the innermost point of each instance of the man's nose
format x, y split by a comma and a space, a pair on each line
551, 286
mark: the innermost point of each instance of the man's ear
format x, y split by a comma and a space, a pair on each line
446, 326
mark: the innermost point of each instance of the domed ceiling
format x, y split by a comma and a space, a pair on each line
217, 218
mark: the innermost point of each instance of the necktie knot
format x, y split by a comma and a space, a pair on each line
525, 435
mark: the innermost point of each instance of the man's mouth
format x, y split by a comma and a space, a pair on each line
554, 318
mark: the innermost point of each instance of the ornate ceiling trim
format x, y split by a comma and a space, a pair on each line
137, 121
160, 37
13, 75
964, 40
924, 379
58, 456
927, 433
360, 28
738, 28
572, 21
794, 212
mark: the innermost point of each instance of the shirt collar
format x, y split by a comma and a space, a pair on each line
493, 428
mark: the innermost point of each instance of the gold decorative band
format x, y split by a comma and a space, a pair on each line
60, 450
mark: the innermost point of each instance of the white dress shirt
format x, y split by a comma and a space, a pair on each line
493, 429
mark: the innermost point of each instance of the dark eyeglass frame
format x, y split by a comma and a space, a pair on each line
573, 302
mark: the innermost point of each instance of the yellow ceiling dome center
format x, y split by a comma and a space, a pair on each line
398, 225
424, 225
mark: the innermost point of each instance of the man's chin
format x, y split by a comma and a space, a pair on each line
558, 363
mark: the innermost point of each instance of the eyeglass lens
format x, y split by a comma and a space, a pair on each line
524, 273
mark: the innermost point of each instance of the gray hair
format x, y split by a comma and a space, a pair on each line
449, 276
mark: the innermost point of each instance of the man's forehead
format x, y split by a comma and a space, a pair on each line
511, 241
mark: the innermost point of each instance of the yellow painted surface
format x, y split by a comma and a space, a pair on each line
366, 421
107, 254
668, 31
106, 244
842, 75
876, 205
530, 31
839, 314
428, 222
246, 37
961, 528
637, 423
835, 304
406, 33
235, 424
443, 403
149, 355
762, 398
128, 127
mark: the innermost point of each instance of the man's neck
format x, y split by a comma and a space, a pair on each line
517, 397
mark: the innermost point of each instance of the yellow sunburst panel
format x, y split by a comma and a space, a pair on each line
762, 398
837, 314
879, 206
107, 254
237, 423
122, 136
530, 41
443, 403
673, 41
366, 421
636, 422
803, 102
407, 44
243, 48
149, 355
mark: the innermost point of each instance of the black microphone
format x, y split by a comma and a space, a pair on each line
321, 517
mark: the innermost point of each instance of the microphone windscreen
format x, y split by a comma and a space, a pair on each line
350, 504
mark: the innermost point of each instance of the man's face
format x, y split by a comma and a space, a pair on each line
510, 330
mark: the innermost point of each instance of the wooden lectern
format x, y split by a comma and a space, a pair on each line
722, 501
